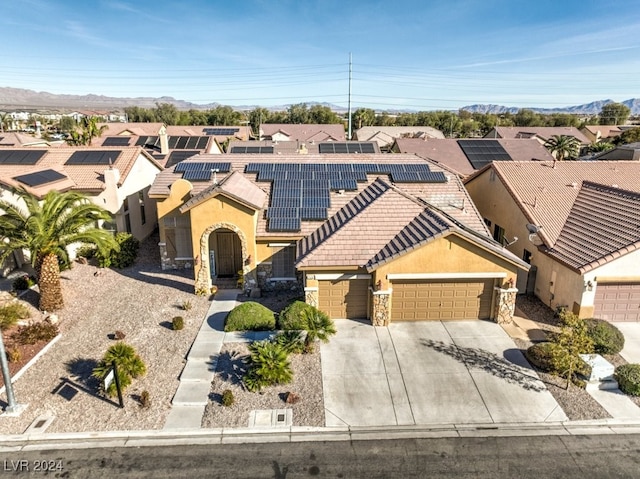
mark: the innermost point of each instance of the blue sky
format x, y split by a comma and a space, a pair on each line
422, 55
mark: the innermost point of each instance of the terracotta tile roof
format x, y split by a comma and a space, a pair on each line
450, 196
546, 194
235, 186
542, 132
134, 129
305, 132
13, 139
79, 177
604, 131
604, 223
386, 134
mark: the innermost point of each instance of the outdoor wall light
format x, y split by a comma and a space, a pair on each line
588, 285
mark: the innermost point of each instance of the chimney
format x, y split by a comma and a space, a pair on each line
111, 190
164, 140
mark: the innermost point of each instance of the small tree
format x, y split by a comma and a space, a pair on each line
318, 324
572, 340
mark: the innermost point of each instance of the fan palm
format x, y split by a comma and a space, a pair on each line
45, 229
88, 131
563, 146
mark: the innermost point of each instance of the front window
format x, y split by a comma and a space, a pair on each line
177, 230
282, 262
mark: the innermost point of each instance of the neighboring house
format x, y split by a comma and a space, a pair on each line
297, 147
540, 133
464, 156
384, 136
170, 144
628, 152
303, 133
13, 139
117, 179
596, 133
577, 224
384, 237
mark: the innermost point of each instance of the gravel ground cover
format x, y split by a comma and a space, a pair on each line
140, 301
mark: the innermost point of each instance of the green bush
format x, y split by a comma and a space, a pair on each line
86, 251
129, 364
291, 341
269, 365
227, 398
540, 355
177, 323
36, 332
145, 399
11, 313
23, 282
628, 377
607, 339
122, 257
291, 317
250, 316
319, 325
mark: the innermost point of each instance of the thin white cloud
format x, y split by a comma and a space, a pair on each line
125, 7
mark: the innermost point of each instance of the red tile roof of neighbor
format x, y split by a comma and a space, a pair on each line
450, 196
305, 132
542, 132
564, 198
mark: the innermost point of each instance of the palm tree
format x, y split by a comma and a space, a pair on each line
318, 324
45, 229
4, 121
88, 131
563, 147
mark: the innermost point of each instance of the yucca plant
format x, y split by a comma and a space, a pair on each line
128, 362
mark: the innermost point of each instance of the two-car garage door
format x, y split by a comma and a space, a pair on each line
441, 299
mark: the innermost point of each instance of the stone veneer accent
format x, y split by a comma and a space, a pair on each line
505, 305
203, 278
311, 296
171, 263
381, 308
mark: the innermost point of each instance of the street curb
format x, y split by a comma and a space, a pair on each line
44, 441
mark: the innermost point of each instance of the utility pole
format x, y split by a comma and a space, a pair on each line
349, 109
13, 409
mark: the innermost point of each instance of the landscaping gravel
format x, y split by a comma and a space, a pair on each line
140, 301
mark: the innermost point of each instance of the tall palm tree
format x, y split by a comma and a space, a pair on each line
45, 229
563, 147
88, 131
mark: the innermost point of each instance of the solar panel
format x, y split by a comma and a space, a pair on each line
101, 157
316, 201
20, 157
282, 212
340, 184
147, 141
221, 131
313, 214
222, 167
286, 202
40, 177
406, 177
284, 224
177, 156
433, 177
116, 141
481, 152
346, 147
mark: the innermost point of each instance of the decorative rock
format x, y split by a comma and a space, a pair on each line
291, 398
601, 369
53, 319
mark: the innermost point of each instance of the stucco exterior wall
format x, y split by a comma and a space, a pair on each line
557, 285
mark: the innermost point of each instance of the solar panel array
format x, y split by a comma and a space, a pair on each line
175, 142
20, 157
301, 191
346, 147
40, 177
482, 152
116, 141
93, 157
177, 156
221, 131
200, 171
252, 149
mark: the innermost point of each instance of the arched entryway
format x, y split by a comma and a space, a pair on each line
223, 252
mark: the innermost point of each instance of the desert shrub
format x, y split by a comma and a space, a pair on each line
119, 335
177, 323
11, 313
14, 355
227, 398
86, 251
250, 316
186, 305
540, 355
23, 282
318, 324
123, 256
291, 317
628, 377
607, 339
129, 364
269, 365
291, 341
36, 332
145, 399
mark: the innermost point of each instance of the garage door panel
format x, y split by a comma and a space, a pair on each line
447, 300
344, 298
617, 301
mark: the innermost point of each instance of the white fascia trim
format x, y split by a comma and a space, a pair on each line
282, 279
311, 288
393, 276
335, 276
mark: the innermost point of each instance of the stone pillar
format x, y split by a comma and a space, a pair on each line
381, 308
311, 296
505, 305
165, 261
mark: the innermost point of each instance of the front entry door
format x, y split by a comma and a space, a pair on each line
229, 254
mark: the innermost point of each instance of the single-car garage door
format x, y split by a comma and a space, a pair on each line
440, 299
617, 301
346, 298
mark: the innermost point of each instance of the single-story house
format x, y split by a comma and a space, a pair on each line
383, 237
577, 223
384, 136
629, 152
298, 147
596, 133
464, 156
540, 133
303, 133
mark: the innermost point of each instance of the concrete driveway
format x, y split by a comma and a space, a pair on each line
631, 350
457, 372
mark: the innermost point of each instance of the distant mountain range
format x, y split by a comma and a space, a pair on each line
22, 99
